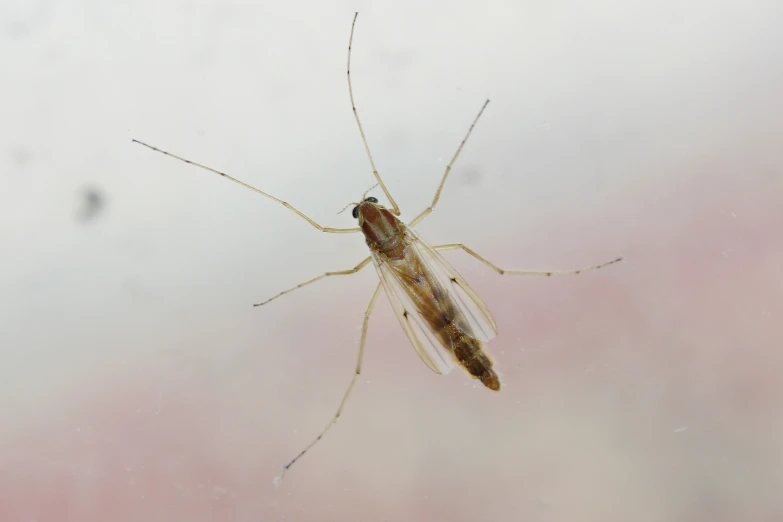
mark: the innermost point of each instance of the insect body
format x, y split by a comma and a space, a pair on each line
441, 315
434, 321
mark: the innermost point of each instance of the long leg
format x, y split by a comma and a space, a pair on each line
429, 209
235, 180
356, 373
395, 209
313, 280
502, 271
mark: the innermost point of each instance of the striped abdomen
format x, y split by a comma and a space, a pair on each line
437, 307
398, 256
471, 355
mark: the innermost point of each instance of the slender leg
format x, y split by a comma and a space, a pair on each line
502, 271
313, 280
356, 373
235, 180
429, 209
395, 209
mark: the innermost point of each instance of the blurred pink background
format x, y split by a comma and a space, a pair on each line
138, 383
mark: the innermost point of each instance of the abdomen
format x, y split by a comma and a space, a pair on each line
471, 355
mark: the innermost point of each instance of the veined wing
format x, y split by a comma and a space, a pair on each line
472, 307
422, 289
439, 358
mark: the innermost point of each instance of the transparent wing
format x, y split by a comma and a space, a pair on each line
476, 312
427, 344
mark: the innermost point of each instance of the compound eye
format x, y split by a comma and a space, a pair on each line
372, 199
355, 212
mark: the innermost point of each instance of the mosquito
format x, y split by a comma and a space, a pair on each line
443, 318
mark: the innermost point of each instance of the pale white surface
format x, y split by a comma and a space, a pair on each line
135, 375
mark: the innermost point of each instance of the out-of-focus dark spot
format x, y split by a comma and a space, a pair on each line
30, 16
21, 156
135, 288
470, 175
92, 203
397, 137
17, 29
